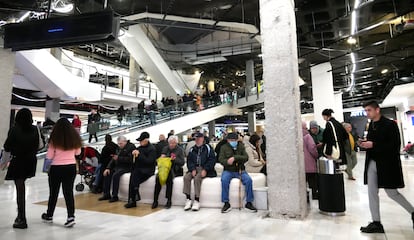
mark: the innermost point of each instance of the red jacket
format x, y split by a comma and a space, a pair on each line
76, 123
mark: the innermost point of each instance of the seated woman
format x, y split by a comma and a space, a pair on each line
255, 163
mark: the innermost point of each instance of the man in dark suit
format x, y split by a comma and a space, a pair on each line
382, 165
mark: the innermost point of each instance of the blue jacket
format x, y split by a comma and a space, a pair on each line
207, 159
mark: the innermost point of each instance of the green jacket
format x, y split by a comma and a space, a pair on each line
240, 157
318, 138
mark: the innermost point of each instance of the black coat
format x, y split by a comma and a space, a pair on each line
107, 152
178, 163
386, 152
146, 159
329, 138
160, 146
207, 159
124, 158
23, 146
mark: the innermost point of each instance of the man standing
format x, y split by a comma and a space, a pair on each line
143, 168
93, 119
317, 134
382, 165
233, 156
350, 151
176, 153
200, 162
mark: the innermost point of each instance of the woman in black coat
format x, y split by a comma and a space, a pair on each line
329, 137
23, 143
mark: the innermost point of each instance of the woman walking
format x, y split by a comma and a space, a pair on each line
64, 144
334, 135
22, 142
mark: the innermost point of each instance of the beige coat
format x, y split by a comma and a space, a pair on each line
254, 164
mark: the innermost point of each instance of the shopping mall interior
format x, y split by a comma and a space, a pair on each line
210, 67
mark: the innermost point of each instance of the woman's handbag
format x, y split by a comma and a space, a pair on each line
5, 158
336, 154
46, 165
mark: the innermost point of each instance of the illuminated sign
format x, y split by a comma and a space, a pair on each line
360, 113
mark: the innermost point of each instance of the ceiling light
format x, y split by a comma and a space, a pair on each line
225, 7
351, 40
233, 84
384, 71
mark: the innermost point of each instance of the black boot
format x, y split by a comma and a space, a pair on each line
168, 205
154, 204
131, 204
20, 223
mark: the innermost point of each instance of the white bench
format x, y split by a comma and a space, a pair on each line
210, 191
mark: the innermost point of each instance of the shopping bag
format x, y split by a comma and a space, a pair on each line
5, 158
164, 167
46, 165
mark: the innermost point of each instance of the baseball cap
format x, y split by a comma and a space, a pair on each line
198, 135
144, 135
232, 136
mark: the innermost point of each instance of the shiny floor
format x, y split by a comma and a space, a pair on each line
209, 223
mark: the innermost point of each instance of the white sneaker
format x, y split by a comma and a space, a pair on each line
196, 206
188, 205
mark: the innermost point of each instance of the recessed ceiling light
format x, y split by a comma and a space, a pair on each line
384, 71
351, 40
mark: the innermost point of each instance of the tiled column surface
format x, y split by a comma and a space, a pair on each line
6, 84
286, 176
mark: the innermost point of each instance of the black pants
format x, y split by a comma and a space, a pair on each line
61, 175
312, 179
137, 177
114, 177
93, 135
21, 198
169, 183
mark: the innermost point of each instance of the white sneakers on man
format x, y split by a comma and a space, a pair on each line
196, 206
188, 205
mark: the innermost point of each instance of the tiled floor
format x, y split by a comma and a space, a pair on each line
209, 223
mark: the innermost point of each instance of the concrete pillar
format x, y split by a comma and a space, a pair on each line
250, 74
339, 107
212, 128
286, 171
53, 109
322, 90
251, 120
7, 62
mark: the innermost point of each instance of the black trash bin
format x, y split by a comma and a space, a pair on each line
331, 189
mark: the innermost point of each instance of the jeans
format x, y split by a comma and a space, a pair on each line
351, 163
153, 118
225, 185
61, 175
98, 175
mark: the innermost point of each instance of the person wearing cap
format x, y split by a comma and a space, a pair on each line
233, 156
316, 133
143, 167
200, 163
176, 153
120, 164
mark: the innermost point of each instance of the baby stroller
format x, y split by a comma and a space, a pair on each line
87, 162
